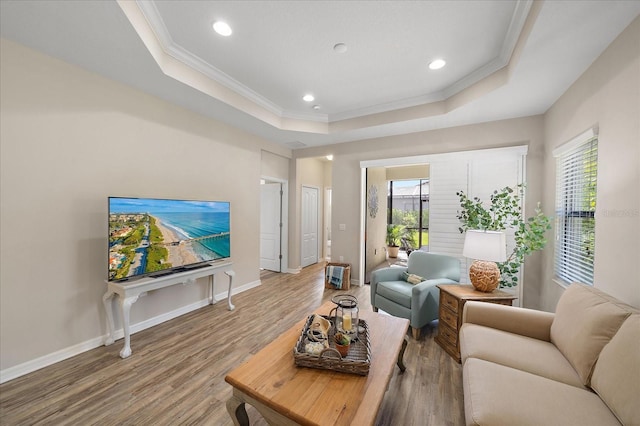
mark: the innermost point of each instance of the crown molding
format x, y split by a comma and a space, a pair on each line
388, 106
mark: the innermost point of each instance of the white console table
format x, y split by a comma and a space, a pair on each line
128, 293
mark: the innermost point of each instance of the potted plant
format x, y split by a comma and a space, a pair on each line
408, 240
342, 343
505, 211
394, 234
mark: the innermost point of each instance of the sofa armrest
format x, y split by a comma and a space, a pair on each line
384, 274
522, 321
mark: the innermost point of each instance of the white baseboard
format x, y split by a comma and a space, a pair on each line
294, 271
49, 359
52, 358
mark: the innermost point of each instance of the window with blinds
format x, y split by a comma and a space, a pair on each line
576, 172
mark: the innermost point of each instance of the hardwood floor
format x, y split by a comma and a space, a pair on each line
176, 372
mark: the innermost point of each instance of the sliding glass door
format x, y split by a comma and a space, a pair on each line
408, 206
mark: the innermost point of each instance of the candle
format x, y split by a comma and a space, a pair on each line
346, 322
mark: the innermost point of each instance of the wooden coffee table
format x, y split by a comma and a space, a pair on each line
285, 394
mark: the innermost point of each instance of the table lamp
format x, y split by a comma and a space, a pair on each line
486, 248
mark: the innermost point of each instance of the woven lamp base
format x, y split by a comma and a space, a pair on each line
485, 276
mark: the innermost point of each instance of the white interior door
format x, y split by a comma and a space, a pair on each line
309, 226
270, 226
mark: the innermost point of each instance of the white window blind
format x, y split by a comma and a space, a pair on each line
576, 172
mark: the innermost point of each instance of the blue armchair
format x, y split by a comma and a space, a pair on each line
418, 303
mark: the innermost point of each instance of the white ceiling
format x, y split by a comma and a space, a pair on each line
505, 59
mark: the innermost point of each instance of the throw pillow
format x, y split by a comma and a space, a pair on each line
585, 321
412, 278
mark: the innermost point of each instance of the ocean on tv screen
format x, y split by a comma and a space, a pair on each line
151, 235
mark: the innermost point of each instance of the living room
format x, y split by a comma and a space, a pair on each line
68, 136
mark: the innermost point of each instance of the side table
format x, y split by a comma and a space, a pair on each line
452, 300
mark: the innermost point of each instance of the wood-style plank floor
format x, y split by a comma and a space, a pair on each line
176, 372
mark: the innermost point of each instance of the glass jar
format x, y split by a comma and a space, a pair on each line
346, 319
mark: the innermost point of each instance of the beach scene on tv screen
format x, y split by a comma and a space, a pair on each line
152, 235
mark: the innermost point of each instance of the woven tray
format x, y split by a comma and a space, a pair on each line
357, 361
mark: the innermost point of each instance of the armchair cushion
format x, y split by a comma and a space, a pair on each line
398, 291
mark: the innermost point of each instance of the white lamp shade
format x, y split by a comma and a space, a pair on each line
485, 245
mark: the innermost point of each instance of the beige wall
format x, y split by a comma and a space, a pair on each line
419, 171
69, 139
376, 228
274, 166
607, 95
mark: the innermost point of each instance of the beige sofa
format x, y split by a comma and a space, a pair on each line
579, 366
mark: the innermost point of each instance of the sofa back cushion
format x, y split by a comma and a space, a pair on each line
616, 376
586, 319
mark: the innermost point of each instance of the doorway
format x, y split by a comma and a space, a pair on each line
396, 200
273, 224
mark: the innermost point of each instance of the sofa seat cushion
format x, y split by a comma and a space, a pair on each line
616, 377
397, 291
498, 395
585, 320
516, 351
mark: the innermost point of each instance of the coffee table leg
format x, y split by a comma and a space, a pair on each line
401, 355
235, 407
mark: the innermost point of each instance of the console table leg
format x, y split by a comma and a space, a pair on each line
125, 306
212, 297
107, 300
401, 365
231, 274
235, 408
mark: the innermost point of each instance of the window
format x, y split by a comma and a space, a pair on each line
576, 172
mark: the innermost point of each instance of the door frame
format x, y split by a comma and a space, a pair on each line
319, 237
326, 224
284, 218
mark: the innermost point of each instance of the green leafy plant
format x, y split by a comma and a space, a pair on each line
505, 211
394, 235
342, 339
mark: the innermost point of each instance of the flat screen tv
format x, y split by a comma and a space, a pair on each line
153, 237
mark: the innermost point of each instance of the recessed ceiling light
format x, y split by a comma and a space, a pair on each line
340, 48
437, 64
316, 107
330, 157
222, 28
308, 97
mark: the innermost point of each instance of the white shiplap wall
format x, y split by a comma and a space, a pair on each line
477, 175
446, 178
